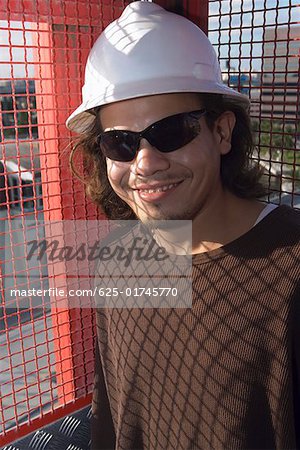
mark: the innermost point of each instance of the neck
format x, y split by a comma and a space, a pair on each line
213, 227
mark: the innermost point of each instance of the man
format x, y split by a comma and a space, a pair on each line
169, 141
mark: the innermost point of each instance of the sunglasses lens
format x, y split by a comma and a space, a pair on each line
119, 145
174, 132
167, 135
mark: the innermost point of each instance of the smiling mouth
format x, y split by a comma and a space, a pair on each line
154, 194
164, 188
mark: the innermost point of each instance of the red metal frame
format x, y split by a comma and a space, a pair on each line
196, 11
41, 422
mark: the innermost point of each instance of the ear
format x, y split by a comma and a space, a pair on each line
223, 128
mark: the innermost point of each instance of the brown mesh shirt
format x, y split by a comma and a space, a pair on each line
223, 374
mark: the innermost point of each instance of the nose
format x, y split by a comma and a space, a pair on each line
149, 160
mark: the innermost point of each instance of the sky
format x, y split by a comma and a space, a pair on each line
258, 12
20, 53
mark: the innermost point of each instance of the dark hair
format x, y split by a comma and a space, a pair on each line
238, 172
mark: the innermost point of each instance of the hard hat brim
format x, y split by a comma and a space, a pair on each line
81, 120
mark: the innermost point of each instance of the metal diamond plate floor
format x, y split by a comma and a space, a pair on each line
70, 433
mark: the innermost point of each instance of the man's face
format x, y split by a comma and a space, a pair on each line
163, 186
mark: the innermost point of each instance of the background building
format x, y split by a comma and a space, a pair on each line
280, 79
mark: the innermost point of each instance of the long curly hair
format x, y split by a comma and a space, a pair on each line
239, 174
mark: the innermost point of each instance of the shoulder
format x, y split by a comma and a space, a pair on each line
281, 236
290, 216
287, 225
276, 236
284, 224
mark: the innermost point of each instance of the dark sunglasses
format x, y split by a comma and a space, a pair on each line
166, 135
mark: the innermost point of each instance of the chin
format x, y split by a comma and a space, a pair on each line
165, 215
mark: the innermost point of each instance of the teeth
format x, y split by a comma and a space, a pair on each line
160, 189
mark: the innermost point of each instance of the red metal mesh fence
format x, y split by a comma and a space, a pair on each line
46, 355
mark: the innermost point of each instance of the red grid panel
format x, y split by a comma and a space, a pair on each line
46, 355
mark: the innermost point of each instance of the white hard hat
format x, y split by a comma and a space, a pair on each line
148, 51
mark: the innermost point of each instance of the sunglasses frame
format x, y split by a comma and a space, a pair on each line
138, 135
